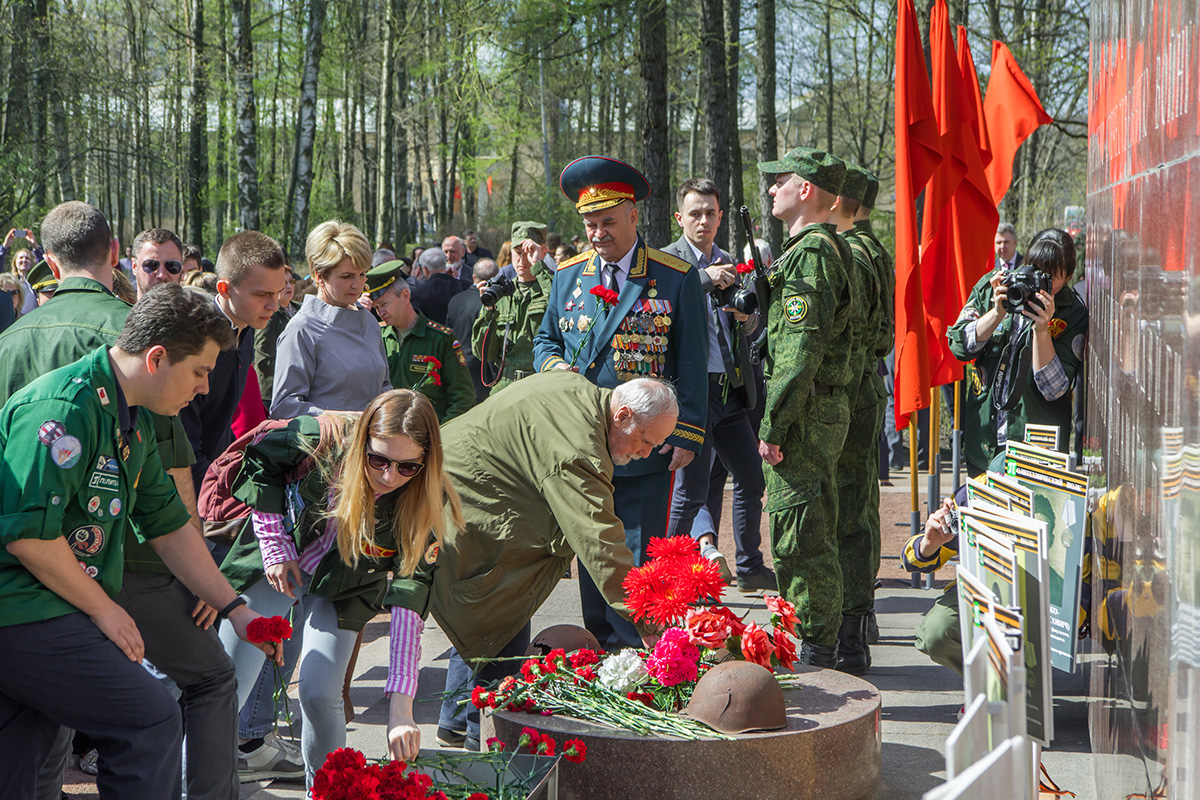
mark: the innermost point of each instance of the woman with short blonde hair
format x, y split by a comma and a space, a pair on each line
330, 357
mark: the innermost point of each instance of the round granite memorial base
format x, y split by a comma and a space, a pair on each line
830, 750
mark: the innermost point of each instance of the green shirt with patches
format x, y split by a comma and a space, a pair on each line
67, 469
810, 324
430, 346
517, 317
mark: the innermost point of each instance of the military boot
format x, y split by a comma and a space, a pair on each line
854, 656
817, 655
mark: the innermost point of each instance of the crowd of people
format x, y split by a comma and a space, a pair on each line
438, 433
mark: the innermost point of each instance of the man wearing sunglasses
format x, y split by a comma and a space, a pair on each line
157, 258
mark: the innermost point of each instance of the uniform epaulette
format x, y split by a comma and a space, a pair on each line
576, 259
439, 327
668, 260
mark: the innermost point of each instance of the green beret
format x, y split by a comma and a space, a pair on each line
819, 168
383, 276
871, 192
855, 184
528, 230
41, 278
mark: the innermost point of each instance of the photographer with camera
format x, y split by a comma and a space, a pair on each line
1024, 332
512, 312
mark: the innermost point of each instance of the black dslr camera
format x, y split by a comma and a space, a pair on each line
736, 297
1023, 284
495, 288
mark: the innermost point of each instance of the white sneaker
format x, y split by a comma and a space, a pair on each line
713, 554
271, 760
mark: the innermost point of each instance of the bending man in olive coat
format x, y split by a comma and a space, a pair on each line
534, 468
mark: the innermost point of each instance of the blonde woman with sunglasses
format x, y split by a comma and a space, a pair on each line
338, 503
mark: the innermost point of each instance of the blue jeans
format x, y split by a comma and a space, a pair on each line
461, 679
325, 651
256, 718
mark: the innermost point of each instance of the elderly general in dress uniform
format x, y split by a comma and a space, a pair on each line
655, 328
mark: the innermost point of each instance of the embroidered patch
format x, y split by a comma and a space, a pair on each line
51, 430
93, 505
114, 506
86, 541
795, 309
106, 464
431, 554
103, 394
1056, 327
1077, 346
65, 451
104, 482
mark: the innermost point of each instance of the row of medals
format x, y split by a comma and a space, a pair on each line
640, 345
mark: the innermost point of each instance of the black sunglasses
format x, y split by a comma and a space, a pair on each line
405, 469
150, 266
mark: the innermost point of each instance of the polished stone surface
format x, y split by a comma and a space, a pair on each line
829, 750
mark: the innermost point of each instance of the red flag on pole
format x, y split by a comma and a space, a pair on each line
1012, 111
918, 152
960, 217
966, 66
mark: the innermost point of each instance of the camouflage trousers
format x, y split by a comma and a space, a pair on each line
802, 500
858, 535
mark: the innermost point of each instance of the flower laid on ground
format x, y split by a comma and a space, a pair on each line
756, 645
674, 659
605, 299
623, 671
676, 576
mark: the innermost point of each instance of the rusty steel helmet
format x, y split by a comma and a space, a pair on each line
568, 638
738, 697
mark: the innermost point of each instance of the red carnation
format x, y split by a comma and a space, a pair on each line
605, 295
554, 659
345, 758
743, 268
575, 750
495, 744
645, 698
756, 645
477, 796
546, 746
583, 658
268, 629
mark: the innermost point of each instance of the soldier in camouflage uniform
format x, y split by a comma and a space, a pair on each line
858, 467
503, 334
806, 414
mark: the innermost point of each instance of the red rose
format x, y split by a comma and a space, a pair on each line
756, 645
575, 750
706, 629
785, 649
784, 613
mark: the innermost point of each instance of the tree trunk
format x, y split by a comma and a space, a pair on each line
306, 127
714, 77
42, 90
247, 117
765, 142
197, 173
736, 194
655, 162
828, 36
386, 131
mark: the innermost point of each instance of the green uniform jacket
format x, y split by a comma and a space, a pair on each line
450, 389
534, 472
885, 271
1068, 330
519, 315
63, 472
82, 316
358, 593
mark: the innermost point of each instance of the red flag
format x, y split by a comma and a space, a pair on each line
1012, 111
918, 152
960, 217
970, 76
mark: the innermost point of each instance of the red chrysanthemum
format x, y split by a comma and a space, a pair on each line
575, 750
756, 645
702, 578
672, 547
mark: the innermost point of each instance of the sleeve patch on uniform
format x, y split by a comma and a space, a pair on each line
66, 451
795, 308
1077, 346
1057, 326
431, 553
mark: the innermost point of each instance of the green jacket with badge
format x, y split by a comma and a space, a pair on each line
430, 346
1068, 330
809, 362
67, 469
82, 316
358, 593
504, 332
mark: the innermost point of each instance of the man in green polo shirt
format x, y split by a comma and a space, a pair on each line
421, 354
78, 464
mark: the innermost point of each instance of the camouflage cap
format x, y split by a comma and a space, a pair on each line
819, 168
872, 191
528, 230
41, 278
383, 276
854, 185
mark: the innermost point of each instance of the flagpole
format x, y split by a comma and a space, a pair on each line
914, 511
934, 455
956, 436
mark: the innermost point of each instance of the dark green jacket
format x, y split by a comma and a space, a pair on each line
517, 316
358, 593
452, 392
1068, 329
82, 316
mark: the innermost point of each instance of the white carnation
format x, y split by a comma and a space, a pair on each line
623, 672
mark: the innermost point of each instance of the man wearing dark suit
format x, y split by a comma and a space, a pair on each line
731, 392
1006, 247
475, 250
433, 286
461, 313
655, 328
